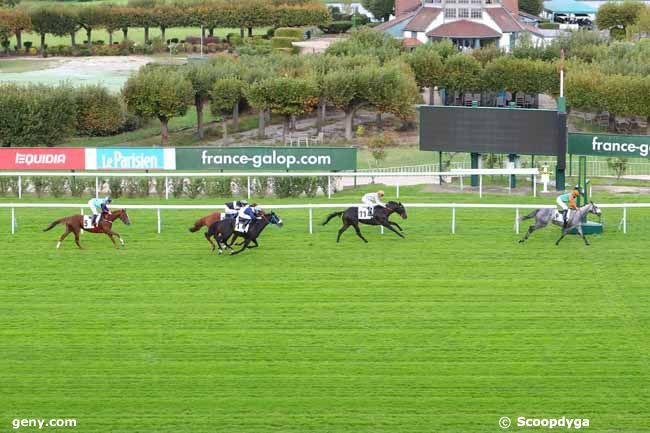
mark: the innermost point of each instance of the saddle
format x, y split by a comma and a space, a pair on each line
365, 212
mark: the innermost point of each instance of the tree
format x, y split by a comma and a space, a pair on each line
427, 66
615, 17
393, 89
167, 16
462, 73
641, 29
48, 20
380, 9
368, 42
158, 91
226, 94
533, 7
285, 96
91, 17
202, 77
9, 3
15, 21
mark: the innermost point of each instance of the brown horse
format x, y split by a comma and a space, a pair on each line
74, 224
207, 220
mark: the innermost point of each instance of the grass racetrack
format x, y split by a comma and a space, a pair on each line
434, 333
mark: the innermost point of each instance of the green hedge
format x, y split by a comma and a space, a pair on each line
549, 26
283, 42
290, 32
337, 27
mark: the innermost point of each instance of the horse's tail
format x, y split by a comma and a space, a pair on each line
332, 215
529, 216
54, 223
197, 225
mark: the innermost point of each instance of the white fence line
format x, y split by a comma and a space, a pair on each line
311, 207
533, 172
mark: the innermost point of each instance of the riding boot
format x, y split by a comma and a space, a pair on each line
565, 213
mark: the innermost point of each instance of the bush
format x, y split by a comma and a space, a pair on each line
290, 32
58, 186
219, 187
336, 27
194, 187
78, 186
40, 184
144, 186
8, 185
270, 33
177, 186
116, 186
549, 26
196, 40
260, 186
283, 42
99, 113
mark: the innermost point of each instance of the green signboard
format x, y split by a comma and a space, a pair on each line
267, 158
630, 146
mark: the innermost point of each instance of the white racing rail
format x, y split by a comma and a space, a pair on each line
310, 207
533, 172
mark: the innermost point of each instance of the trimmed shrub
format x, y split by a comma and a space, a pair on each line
283, 42
116, 187
194, 187
549, 26
99, 113
8, 185
290, 32
40, 184
336, 27
58, 186
78, 186
219, 187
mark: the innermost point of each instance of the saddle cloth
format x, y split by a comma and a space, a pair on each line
558, 218
88, 222
242, 227
364, 213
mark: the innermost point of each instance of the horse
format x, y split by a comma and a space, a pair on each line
350, 217
74, 224
207, 220
224, 230
544, 217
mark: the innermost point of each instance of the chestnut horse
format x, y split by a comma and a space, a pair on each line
74, 224
207, 220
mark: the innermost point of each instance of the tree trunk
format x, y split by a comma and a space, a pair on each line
211, 32
380, 123
164, 130
89, 33
162, 34
110, 38
235, 117
285, 128
19, 39
432, 98
43, 44
349, 118
146, 35
267, 113
319, 118
241, 32
225, 130
203, 29
250, 32
73, 39
647, 126
292, 125
198, 102
261, 125
125, 33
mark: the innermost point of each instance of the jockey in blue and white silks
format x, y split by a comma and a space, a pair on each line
246, 214
98, 206
232, 207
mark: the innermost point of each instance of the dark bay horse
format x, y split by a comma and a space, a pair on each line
74, 224
350, 217
224, 230
207, 221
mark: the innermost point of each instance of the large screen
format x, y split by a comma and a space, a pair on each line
492, 130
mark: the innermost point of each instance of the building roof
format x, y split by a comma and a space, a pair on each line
534, 30
568, 7
464, 29
530, 17
388, 24
422, 20
504, 19
411, 42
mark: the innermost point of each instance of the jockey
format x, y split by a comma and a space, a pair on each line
371, 199
99, 206
233, 207
246, 214
567, 201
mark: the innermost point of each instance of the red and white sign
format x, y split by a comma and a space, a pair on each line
39, 158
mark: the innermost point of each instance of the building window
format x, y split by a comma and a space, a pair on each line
463, 13
450, 13
465, 2
477, 13
414, 34
477, 2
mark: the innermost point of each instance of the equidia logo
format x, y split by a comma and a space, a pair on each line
43, 158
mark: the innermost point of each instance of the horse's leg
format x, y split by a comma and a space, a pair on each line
564, 233
244, 246
207, 236
119, 237
76, 238
110, 236
389, 227
531, 229
217, 238
396, 225
356, 228
255, 242
63, 236
582, 235
341, 230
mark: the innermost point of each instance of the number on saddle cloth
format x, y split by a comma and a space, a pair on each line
88, 222
241, 227
365, 212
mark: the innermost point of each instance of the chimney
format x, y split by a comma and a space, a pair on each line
405, 6
512, 6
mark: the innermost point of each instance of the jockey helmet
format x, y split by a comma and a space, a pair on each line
109, 199
243, 202
380, 193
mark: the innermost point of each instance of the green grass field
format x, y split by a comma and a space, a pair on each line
434, 333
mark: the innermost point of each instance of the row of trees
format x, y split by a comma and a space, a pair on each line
147, 14
621, 17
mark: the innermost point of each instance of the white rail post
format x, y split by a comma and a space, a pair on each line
20, 187
81, 210
381, 228
311, 221
166, 188
329, 186
624, 220
159, 222
96, 187
480, 186
453, 220
13, 221
461, 182
534, 185
248, 188
397, 190
517, 221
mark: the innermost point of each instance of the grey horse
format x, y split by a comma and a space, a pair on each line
546, 216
